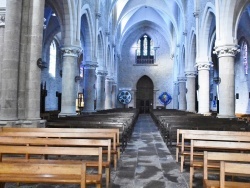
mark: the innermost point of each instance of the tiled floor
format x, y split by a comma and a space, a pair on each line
146, 163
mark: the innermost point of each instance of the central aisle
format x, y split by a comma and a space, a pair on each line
147, 162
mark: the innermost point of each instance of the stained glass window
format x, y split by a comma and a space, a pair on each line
52, 61
244, 56
145, 50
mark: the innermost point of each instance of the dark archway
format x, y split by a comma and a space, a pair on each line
144, 95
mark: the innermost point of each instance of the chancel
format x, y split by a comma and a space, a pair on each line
145, 75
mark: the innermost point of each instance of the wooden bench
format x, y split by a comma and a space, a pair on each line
184, 144
212, 161
84, 130
235, 168
217, 145
80, 135
46, 171
33, 141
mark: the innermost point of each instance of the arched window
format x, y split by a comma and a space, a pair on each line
244, 56
52, 59
145, 50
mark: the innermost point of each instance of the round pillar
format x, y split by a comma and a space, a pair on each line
100, 89
182, 93
203, 80
89, 86
108, 91
190, 84
175, 96
226, 55
9, 68
69, 95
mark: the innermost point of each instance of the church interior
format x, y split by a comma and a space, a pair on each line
156, 90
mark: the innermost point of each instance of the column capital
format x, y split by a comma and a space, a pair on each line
176, 83
73, 51
190, 74
110, 79
90, 65
102, 73
226, 50
203, 66
182, 79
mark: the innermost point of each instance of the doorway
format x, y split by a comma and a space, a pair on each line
144, 95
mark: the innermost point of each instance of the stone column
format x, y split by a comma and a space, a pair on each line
182, 93
108, 90
190, 84
114, 95
69, 95
154, 98
2, 28
9, 68
35, 52
100, 89
89, 85
226, 55
175, 96
203, 80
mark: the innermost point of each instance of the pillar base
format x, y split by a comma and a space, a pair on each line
67, 114
226, 116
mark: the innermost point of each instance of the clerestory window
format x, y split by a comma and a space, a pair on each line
145, 50
244, 56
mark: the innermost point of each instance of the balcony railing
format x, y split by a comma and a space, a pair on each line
149, 60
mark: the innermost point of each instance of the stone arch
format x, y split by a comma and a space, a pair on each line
100, 52
191, 55
208, 20
87, 34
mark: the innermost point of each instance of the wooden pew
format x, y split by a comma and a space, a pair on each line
81, 135
46, 172
235, 168
186, 135
180, 132
85, 130
33, 141
232, 145
212, 161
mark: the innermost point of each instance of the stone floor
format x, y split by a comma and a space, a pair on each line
146, 163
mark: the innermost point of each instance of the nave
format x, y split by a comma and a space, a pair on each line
146, 163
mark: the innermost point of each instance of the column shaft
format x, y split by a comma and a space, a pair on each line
190, 92
227, 87
100, 90
175, 96
9, 73
226, 55
89, 86
203, 80
35, 52
182, 94
108, 91
69, 95
114, 96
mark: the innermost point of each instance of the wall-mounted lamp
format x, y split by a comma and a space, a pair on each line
217, 80
40, 63
77, 78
